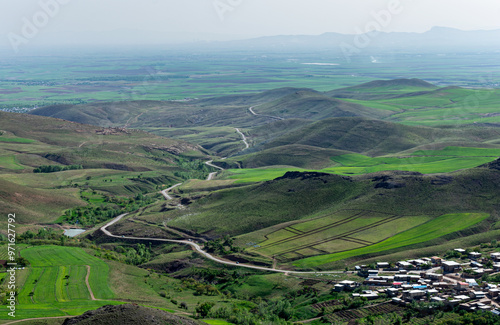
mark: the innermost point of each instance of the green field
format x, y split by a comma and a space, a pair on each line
357, 164
438, 227
54, 284
10, 162
460, 151
341, 231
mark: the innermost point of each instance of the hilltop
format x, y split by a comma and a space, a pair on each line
129, 315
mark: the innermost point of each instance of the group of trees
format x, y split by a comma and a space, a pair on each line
195, 169
222, 246
266, 312
139, 255
55, 168
114, 206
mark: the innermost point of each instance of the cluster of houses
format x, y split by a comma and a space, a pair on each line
433, 280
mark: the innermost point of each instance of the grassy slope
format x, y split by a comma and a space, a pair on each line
273, 205
113, 164
45, 277
438, 227
375, 137
315, 106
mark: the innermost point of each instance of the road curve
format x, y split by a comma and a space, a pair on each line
165, 192
244, 139
268, 116
197, 247
212, 175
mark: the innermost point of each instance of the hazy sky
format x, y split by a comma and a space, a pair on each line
202, 19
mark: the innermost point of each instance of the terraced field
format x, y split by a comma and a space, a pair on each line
54, 284
341, 231
435, 228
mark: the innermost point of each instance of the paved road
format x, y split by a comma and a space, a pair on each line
268, 116
244, 139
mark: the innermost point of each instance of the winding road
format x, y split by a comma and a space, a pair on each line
268, 116
243, 137
165, 192
211, 175
197, 247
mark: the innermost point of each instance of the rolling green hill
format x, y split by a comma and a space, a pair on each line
307, 206
372, 137
208, 122
307, 104
111, 161
379, 89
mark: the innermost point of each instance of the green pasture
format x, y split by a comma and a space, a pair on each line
10, 162
357, 164
54, 283
435, 228
460, 151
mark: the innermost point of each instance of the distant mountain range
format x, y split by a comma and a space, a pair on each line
436, 39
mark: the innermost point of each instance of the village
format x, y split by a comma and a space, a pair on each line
447, 283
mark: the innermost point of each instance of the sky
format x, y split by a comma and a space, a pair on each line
194, 20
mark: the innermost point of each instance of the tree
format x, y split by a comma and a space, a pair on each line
204, 308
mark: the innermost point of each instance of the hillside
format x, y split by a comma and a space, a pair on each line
111, 161
383, 89
297, 155
315, 106
313, 209
129, 315
372, 137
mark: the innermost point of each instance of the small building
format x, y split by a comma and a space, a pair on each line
404, 265
382, 265
474, 255
460, 250
476, 264
494, 292
462, 298
418, 262
477, 294
436, 260
495, 256
413, 294
437, 299
434, 276
462, 286
391, 292
450, 266
369, 296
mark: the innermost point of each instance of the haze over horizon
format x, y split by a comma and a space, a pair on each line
78, 22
